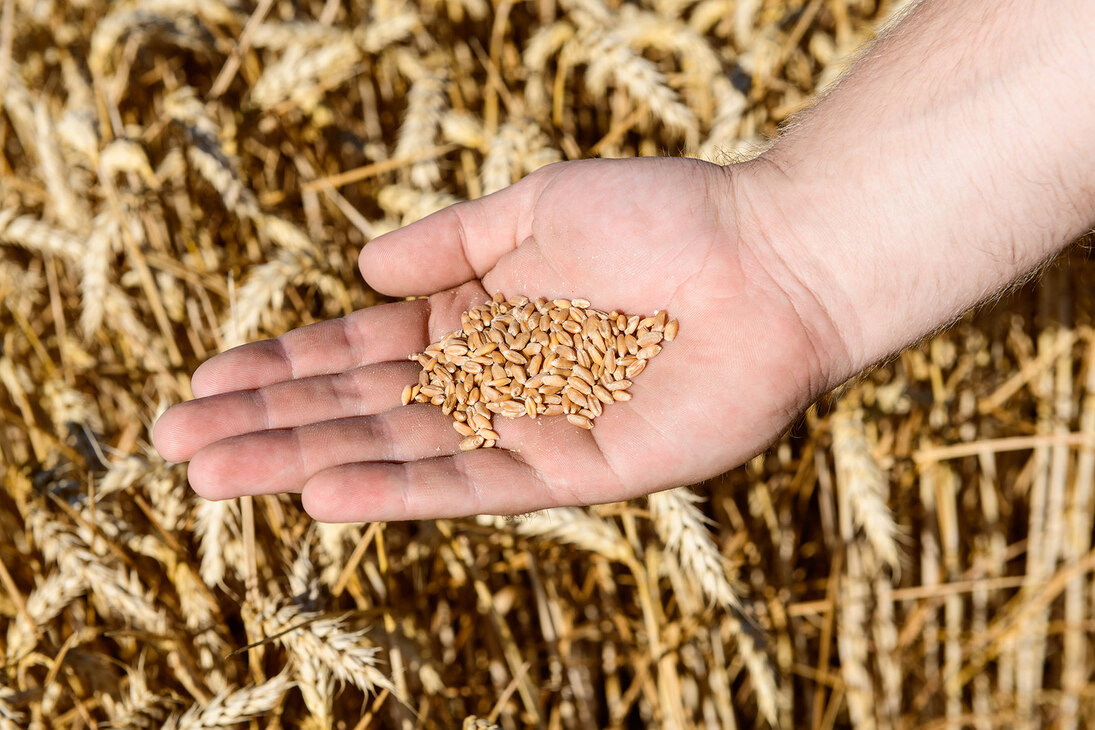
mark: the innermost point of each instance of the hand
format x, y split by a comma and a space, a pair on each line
318, 409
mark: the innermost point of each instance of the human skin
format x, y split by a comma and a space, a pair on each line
957, 156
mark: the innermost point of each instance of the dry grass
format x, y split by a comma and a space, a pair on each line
177, 177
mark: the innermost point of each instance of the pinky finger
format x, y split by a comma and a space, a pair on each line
485, 481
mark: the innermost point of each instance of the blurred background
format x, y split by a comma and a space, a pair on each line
180, 177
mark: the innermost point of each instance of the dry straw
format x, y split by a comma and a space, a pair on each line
179, 177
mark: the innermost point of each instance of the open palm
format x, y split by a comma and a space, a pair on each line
318, 409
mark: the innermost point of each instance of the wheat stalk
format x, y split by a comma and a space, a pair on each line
32, 234
206, 153
139, 707
281, 36
45, 602
117, 592
300, 77
852, 633
684, 530
390, 24
426, 105
10, 719
861, 485
500, 166
95, 272
69, 209
610, 60
263, 292
217, 529
1077, 544
569, 526
229, 708
322, 637
19, 107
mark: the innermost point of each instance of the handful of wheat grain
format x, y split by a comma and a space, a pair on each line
520, 357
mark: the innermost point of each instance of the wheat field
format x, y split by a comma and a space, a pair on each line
180, 177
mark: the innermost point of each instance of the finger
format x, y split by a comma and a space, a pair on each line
190, 426
371, 335
269, 462
454, 245
486, 481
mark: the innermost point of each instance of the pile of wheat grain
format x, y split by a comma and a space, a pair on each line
519, 357
178, 177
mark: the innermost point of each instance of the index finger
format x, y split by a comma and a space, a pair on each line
376, 334
452, 246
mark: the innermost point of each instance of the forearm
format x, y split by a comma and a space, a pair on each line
957, 156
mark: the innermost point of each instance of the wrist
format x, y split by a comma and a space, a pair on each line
773, 228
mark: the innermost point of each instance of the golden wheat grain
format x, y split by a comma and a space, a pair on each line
509, 359
930, 559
